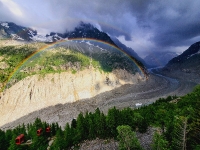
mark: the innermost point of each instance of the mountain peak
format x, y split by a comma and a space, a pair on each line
16, 32
191, 51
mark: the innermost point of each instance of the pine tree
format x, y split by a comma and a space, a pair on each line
127, 138
37, 123
53, 129
68, 136
127, 118
92, 128
80, 129
194, 126
179, 139
161, 116
112, 121
102, 132
59, 142
140, 122
3, 146
8, 137
159, 143
73, 124
96, 119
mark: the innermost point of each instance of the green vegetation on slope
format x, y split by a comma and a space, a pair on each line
55, 61
51, 61
177, 121
19, 62
10, 58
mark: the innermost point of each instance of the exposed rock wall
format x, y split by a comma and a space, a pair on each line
36, 92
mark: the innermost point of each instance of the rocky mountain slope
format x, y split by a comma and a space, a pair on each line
37, 75
189, 57
129, 51
16, 32
84, 31
61, 73
185, 66
157, 59
34, 93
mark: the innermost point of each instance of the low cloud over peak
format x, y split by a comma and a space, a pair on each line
162, 25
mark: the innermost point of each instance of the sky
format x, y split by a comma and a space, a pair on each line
146, 26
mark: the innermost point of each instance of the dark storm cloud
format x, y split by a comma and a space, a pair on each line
144, 24
177, 36
172, 22
110, 15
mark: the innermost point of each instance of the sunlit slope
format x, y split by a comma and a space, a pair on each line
11, 55
59, 73
18, 62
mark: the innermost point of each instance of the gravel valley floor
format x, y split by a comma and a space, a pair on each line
155, 87
147, 92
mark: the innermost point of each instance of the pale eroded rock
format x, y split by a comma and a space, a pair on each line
36, 92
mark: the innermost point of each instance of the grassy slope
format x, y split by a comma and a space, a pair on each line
53, 60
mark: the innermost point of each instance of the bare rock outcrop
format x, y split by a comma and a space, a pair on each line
36, 92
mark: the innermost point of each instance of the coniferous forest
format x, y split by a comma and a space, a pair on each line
177, 120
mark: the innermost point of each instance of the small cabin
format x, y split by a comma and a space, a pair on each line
19, 139
39, 131
48, 130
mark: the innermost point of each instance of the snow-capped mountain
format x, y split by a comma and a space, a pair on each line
188, 61
188, 54
83, 31
16, 32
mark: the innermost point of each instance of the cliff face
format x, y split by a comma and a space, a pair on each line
36, 92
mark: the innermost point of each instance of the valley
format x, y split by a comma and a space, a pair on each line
99, 75
128, 95
58, 81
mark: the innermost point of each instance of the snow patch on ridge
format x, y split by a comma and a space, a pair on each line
4, 24
41, 38
16, 37
197, 53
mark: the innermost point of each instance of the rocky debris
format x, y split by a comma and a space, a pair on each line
36, 68
4, 65
28, 142
175, 100
35, 93
186, 75
98, 144
124, 96
73, 66
146, 139
69, 65
145, 92
50, 143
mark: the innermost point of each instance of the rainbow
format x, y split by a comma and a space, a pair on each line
141, 70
